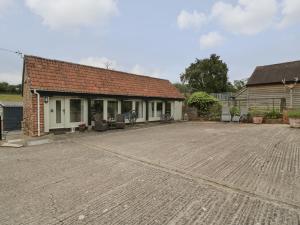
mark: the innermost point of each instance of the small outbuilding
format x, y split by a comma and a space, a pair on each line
274, 86
63, 95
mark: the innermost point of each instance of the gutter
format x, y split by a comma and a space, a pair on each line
38, 111
92, 95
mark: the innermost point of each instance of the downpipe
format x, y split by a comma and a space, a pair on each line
38, 112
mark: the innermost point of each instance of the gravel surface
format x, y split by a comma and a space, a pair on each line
183, 173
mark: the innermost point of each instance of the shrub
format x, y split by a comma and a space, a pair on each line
202, 101
258, 112
235, 111
294, 114
255, 112
214, 112
273, 114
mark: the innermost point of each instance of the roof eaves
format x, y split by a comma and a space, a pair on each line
102, 94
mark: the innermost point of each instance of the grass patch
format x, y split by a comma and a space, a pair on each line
10, 98
294, 114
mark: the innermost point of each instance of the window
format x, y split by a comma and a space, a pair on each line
152, 109
139, 109
58, 111
159, 107
97, 106
75, 110
97, 109
168, 108
126, 106
112, 109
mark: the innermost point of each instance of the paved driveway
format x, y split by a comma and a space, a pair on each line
183, 173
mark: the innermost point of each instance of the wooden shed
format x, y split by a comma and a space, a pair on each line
272, 86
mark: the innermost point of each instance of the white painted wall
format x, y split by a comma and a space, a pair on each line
176, 110
46, 116
84, 110
144, 111
66, 115
142, 108
119, 107
156, 117
105, 109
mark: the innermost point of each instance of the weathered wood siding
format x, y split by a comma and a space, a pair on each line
242, 97
267, 96
296, 97
242, 94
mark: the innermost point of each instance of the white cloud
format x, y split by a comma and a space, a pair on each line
140, 70
187, 20
11, 77
101, 62
290, 12
4, 4
247, 16
59, 14
211, 40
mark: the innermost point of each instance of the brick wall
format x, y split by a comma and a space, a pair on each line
30, 120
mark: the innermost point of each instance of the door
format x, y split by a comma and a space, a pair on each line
57, 113
12, 118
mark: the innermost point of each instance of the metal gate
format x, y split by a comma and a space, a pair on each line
12, 118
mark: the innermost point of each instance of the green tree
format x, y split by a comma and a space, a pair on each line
4, 87
209, 75
239, 84
10, 89
202, 101
182, 88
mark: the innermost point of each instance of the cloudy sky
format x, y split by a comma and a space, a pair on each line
158, 38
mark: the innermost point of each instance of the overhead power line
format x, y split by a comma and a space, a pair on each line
19, 53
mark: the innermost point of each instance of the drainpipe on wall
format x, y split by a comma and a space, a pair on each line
38, 111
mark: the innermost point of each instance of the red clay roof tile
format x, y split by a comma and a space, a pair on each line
59, 76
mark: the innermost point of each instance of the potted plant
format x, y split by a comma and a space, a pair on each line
273, 117
235, 114
257, 116
294, 118
82, 127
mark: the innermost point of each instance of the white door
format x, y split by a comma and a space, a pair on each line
57, 113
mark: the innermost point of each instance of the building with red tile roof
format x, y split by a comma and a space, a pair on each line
62, 95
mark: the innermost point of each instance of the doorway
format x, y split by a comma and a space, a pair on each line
57, 113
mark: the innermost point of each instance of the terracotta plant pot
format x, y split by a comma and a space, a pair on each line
257, 119
274, 121
285, 116
294, 122
82, 127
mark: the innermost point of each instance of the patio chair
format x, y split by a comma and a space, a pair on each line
236, 118
226, 116
132, 117
166, 118
120, 121
244, 114
100, 124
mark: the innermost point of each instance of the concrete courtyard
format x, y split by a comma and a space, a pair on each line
182, 173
